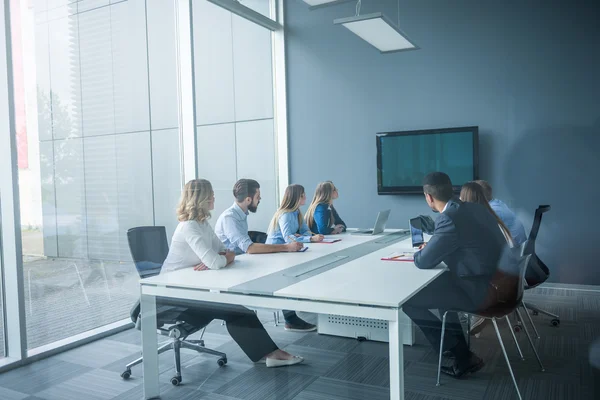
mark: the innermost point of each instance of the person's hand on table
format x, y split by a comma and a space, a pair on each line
338, 229
230, 256
294, 246
317, 238
200, 267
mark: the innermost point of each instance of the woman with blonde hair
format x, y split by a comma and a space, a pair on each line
321, 217
288, 226
194, 244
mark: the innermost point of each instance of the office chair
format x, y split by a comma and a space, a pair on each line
261, 237
537, 271
502, 311
149, 248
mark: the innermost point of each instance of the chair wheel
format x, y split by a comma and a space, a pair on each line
176, 380
221, 362
517, 328
535, 312
126, 375
555, 322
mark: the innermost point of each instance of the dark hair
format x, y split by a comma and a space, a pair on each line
438, 185
487, 189
473, 192
245, 188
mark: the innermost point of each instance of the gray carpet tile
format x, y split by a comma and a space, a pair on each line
333, 389
556, 293
166, 362
421, 378
41, 375
589, 303
362, 368
233, 351
214, 396
566, 312
335, 368
589, 331
261, 383
326, 342
94, 385
8, 394
546, 387
206, 376
167, 392
558, 346
316, 361
99, 353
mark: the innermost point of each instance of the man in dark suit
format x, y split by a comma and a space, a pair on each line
467, 239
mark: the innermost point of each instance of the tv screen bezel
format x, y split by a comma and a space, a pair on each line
385, 190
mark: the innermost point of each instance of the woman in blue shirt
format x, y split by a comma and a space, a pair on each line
321, 217
287, 224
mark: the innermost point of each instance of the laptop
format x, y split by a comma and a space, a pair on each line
416, 232
382, 219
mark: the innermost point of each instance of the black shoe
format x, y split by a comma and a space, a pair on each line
299, 326
448, 354
477, 325
461, 368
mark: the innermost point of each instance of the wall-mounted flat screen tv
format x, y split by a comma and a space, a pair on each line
404, 158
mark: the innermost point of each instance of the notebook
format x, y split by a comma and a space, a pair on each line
400, 256
326, 240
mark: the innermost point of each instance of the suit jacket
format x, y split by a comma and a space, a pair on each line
468, 240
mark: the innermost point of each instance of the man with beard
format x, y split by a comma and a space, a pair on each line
467, 239
232, 229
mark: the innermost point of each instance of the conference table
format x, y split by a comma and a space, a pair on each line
346, 278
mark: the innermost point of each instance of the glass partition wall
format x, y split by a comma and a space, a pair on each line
93, 143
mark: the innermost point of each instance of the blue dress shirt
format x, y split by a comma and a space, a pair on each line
511, 221
232, 229
288, 226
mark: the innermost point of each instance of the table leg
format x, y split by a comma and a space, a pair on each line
396, 358
149, 346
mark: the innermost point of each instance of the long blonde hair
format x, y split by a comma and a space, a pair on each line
323, 195
195, 197
290, 203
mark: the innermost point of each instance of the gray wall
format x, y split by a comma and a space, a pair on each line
527, 73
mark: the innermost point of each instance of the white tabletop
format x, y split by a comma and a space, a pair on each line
247, 267
367, 280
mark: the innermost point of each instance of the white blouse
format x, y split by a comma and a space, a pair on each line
194, 243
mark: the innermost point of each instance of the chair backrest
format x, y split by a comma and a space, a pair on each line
537, 272
523, 266
149, 249
257, 237
537, 220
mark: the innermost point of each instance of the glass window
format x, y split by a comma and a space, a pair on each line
96, 113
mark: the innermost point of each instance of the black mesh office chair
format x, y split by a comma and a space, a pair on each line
261, 237
257, 237
537, 271
149, 248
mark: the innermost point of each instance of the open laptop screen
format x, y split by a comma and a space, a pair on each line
416, 232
